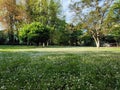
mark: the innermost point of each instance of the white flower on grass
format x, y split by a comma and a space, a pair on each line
3, 87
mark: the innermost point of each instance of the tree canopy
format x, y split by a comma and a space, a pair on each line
92, 20
34, 33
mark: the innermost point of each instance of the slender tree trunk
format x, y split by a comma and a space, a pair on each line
47, 43
97, 41
43, 44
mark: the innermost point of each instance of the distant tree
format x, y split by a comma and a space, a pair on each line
65, 37
92, 15
68, 34
46, 12
114, 14
87, 40
75, 37
59, 35
113, 18
11, 14
54, 21
37, 10
35, 33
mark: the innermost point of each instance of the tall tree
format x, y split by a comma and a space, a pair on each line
37, 10
11, 14
92, 14
114, 13
42, 10
114, 18
45, 12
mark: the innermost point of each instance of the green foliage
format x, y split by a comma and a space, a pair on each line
34, 33
116, 35
87, 40
2, 37
95, 16
12, 15
93, 20
58, 32
44, 11
75, 37
114, 19
36, 9
114, 13
65, 37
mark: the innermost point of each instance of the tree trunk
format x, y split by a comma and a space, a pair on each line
47, 43
97, 41
43, 44
98, 44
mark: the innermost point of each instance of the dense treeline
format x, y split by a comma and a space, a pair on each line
39, 22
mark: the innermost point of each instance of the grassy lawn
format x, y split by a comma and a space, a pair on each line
59, 68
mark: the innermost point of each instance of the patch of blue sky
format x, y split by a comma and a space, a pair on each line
66, 11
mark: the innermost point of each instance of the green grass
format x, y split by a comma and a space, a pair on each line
59, 68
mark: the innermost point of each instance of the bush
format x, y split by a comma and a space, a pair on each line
34, 33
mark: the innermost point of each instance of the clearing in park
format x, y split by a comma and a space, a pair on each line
59, 68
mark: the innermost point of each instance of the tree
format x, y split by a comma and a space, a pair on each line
113, 17
114, 13
35, 33
75, 37
37, 10
45, 12
92, 16
58, 32
116, 34
11, 14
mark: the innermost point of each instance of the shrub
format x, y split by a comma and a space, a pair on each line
34, 33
